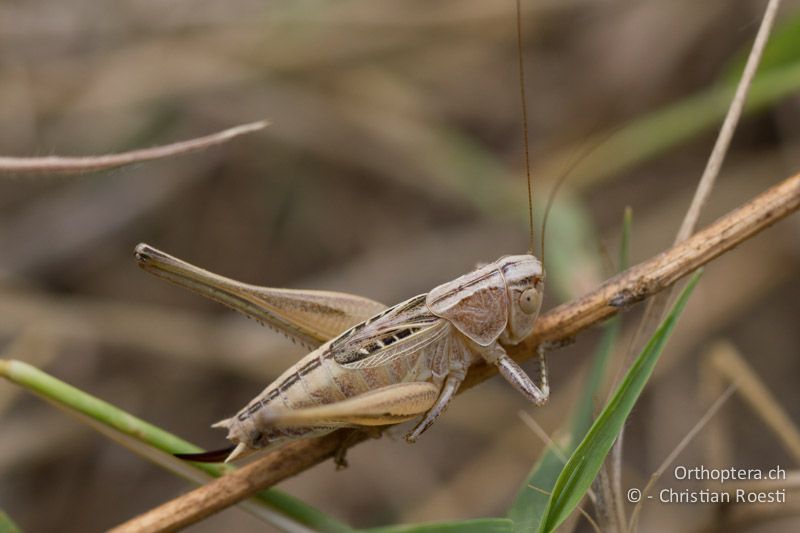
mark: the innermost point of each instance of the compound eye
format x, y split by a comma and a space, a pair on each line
530, 301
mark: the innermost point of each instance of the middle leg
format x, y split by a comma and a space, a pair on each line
449, 389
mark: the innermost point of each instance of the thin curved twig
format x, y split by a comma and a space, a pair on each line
555, 327
73, 165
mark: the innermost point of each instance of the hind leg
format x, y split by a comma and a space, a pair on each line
380, 407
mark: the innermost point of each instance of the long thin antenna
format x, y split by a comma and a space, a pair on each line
525, 127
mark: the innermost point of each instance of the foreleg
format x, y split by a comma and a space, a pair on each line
517, 377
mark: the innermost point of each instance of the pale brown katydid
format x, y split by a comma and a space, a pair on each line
388, 365
371, 365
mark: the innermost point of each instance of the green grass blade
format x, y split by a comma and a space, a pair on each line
7, 525
584, 411
530, 503
532, 498
154, 443
528, 508
74, 399
584, 464
481, 525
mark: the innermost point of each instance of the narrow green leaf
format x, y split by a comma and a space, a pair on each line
7, 525
481, 525
529, 505
532, 498
584, 464
151, 441
65, 395
584, 411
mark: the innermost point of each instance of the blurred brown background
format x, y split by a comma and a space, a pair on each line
393, 163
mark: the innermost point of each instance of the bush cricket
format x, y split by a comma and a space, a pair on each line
370, 365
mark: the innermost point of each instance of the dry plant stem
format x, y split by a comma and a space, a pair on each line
702, 423
614, 466
72, 165
580, 509
605, 509
557, 326
661, 271
657, 306
539, 431
726, 360
215, 496
729, 125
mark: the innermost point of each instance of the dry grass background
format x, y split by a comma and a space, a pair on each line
393, 124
